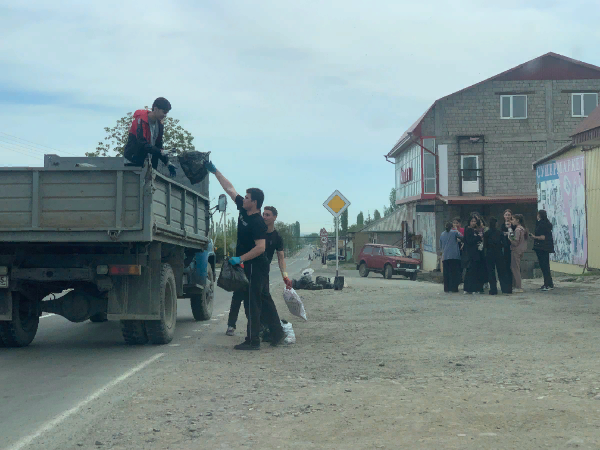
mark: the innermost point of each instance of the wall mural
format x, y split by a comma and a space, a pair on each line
561, 192
426, 227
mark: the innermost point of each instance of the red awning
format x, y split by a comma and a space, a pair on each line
489, 199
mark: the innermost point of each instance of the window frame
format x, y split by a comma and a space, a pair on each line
512, 108
581, 103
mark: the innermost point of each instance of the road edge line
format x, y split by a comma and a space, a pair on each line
25, 441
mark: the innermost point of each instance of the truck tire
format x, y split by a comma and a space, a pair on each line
134, 332
98, 318
413, 276
363, 270
202, 305
21, 330
388, 272
161, 331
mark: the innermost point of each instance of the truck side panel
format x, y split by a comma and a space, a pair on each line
16, 200
89, 200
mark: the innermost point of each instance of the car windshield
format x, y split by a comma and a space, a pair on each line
392, 251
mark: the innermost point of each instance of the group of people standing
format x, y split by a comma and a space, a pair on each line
476, 253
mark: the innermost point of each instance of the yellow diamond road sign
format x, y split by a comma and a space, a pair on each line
336, 204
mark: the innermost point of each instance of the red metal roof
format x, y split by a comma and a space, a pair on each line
489, 199
550, 66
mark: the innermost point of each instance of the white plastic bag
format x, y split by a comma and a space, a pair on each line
290, 336
294, 303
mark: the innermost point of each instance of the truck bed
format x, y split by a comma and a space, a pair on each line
68, 201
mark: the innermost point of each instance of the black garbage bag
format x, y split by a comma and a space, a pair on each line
232, 278
192, 164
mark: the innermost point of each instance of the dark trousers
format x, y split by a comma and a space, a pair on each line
258, 303
495, 262
544, 260
475, 276
452, 274
507, 261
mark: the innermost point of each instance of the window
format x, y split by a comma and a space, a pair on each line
513, 106
470, 173
392, 251
429, 167
583, 104
408, 173
377, 251
368, 250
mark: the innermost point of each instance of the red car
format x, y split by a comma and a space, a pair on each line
386, 260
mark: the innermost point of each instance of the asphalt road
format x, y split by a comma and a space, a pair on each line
67, 362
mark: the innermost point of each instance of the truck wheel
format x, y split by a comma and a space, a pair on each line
413, 276
388, 272
161, 331
363, 271
134, 332
21, 330
202, 305
98, 318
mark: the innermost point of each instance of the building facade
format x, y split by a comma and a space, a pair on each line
568, 189
473, 150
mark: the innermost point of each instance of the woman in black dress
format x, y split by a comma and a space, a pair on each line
476, 276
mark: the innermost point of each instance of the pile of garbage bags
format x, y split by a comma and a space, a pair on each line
306, 282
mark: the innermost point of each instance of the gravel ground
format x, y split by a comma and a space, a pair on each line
382, 364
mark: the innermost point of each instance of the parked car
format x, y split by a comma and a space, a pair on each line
331, 257
386, 260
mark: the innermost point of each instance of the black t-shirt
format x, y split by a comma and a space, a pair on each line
274, 243
250, 229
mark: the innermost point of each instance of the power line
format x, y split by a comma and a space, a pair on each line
23, 150
38, 145
26, 154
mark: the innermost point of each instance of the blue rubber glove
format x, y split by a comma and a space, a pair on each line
208, 165
172, 170
235, 260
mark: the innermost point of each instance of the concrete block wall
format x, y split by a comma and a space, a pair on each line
563, 123
511, 145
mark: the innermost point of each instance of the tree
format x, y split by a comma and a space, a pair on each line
368, 221
376, 215
344, 221
388, 210
175, 136
360, 219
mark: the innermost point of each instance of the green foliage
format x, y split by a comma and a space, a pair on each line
360, 219
388, 210
376, 215
344, 220
175, 136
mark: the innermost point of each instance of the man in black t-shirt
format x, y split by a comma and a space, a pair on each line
250, 250
274, 243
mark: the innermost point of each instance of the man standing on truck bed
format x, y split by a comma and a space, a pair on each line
250, 250
274, 243
146, 136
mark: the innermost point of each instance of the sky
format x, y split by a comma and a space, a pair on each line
296, 98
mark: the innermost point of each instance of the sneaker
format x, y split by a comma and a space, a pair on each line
230, 331
545, 288
247, 345
467, 293
518, 291
550, 288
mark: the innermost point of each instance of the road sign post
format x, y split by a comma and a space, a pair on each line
336, 204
